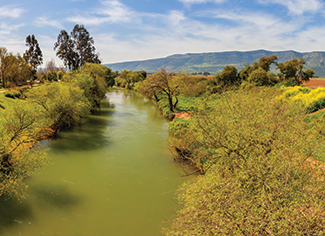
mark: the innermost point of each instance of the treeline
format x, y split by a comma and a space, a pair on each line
42, 112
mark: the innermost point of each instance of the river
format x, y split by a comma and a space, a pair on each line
113, 175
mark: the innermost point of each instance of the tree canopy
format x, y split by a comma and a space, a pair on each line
77, 48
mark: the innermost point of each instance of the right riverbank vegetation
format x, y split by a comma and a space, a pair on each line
253, 137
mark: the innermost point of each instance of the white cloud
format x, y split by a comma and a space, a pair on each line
181, 34
112, 11
200, 1
6, 29
44, 21
298, 6
46, 44
13, 12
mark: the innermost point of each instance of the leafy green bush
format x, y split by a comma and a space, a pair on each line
252, 149
64, 104
178, 127
20, 129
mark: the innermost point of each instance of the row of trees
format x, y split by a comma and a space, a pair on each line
75, 49
14, 69
292, 72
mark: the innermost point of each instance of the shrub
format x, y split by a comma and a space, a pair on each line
178, 127
252, 149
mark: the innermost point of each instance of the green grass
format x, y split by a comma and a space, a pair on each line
5, 103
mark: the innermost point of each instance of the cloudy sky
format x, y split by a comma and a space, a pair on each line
126, 30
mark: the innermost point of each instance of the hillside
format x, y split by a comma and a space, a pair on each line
215, 61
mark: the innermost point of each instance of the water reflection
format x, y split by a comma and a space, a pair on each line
56, 195
13, 212
90, 135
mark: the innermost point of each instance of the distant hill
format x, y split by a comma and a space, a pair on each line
214, 62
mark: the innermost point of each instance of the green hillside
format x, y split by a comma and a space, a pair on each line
215, 61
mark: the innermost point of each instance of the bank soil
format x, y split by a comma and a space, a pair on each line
182, 115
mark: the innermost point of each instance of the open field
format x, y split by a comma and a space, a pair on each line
314, 83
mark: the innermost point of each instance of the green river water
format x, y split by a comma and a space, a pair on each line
112, 175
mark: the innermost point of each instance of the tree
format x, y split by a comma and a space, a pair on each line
33, 55
265, 62
293, 69
226, 80
163, 83
110, 77
261, 77
245, 72
77, 48
91, 78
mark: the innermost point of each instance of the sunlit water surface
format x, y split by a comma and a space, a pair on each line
111, 176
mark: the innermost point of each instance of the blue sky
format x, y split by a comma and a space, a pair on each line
126, 30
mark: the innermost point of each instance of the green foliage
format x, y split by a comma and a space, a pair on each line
59, 75
129, 78
64, 104
253, 149
227, 78
110, 77
91, 78
178, 127
50, 76
20, 130
265, 62
261, 77
191, 86
294, 69
14, 70
161, 84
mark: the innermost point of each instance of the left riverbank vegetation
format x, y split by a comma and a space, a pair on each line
29, 114
256, 144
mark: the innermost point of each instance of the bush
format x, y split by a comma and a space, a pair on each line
178, 127
252, 149
22, 126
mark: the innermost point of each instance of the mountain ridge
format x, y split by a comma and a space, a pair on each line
214, 62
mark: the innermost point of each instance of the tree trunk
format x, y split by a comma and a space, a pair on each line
170, 101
